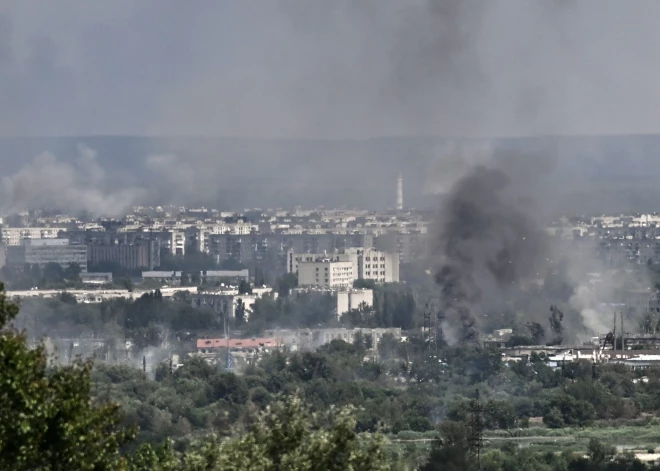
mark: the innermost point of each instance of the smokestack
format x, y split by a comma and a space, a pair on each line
399, 192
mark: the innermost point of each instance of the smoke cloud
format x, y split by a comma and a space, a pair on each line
341, 69
75, 186
489, 242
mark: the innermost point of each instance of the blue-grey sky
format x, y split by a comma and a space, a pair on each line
329, 68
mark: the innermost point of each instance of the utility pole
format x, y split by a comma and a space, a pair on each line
623, 332
144, 364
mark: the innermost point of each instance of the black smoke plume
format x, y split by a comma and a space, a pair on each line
489, 242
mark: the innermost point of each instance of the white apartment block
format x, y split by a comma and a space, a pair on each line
382, 267
326, 273
368, 264
198, 237
16, 235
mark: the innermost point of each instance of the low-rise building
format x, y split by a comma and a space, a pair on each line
226, 302
96, 278
350, 299
312, 339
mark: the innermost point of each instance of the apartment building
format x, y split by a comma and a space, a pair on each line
326, 273
381, 267
14, 236
44, 251
368, 263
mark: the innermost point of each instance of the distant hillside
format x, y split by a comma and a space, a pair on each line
591, 173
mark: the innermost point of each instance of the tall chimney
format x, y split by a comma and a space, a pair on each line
399, 192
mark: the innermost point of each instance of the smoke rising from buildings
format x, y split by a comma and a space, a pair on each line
488, 243
317, 69
77, 185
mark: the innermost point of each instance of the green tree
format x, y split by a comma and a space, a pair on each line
72, 272
49, 421
600, 453
286, 437
554, 418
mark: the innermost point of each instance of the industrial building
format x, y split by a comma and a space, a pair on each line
142, 254
44, 251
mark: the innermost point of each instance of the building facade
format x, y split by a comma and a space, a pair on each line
368, 263
44, 251
14, 236
142, 254
350, 299
326, 273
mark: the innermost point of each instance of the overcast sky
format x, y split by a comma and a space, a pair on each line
324, 68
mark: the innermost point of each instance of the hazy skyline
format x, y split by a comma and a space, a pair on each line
319, 69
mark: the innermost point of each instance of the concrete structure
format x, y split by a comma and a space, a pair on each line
399, 192
350, 299
142, 254
367, 263
44, 251
326, 273
409, 245
217, 275
13, 236
225, 304
312, 339
205, 346
255, 248
345, 298
243, 351
96, 278
381, 267
94, 295
172, 277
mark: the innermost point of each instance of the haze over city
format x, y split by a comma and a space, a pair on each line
330, 234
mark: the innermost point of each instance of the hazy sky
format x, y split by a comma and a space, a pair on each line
324, 68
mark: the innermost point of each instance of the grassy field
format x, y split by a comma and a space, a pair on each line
641, 437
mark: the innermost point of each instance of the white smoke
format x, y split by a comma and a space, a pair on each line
79, 185
585, 300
